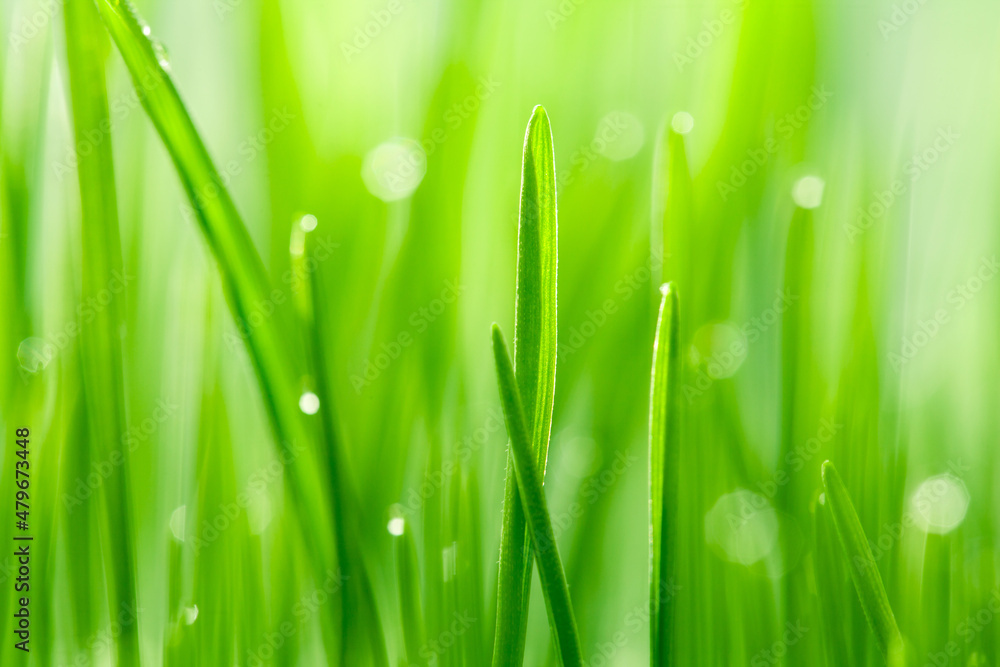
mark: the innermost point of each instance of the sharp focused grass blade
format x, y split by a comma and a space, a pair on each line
861, 563
542, 537
243, 275
535, 349
663, 450
100, 338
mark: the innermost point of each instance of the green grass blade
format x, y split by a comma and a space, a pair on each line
244, 277
663, 450
100, 338
408, 582
535, 349
861, 563
542, 537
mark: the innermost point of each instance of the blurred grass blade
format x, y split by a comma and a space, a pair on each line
529, 482
243, 274
408, 581
535, 349
100, 337
663, 450
861, 563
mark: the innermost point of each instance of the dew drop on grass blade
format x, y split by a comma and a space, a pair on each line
663, 451
243, 274
861, 563
535, 362
541, 535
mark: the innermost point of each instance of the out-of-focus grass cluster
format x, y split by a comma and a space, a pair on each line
254, 352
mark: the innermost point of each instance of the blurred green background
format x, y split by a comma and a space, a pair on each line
689, 138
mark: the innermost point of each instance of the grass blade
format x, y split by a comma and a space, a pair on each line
244, 277
542, 537
535, 349
100, 338
663, 450
861, 563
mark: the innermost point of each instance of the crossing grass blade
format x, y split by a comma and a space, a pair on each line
244, 277
663, 457
535, 349
861, 564
542, 538
100, 337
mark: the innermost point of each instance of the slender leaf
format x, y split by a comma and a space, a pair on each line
243, 275
535, 349
100, 337
861, 563
663, 450
542, 537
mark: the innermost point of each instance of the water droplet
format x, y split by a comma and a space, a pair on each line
743, 525
396, 526
162, 56
34, 354
393, 169
309, 403
146, 30
822, 499
308, 222
619, 136
808, 191
940, 503
190, 614
682, 122
177, 521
